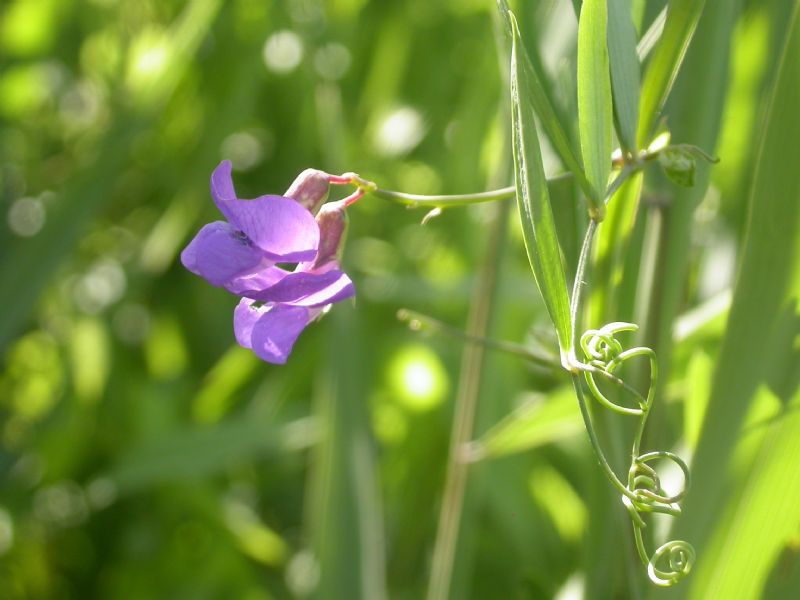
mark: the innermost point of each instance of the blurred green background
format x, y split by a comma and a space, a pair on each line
143, 454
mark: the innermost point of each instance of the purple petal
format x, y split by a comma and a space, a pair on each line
340, 288
274, 334
279, 226
219, 253
298, 288
257, 282
244, 317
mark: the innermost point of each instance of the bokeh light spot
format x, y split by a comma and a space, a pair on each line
6, 531
399, 132
418, 378
243, 149
283, 52
332, 61
26, 216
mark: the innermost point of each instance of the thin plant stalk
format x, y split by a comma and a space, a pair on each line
464, 418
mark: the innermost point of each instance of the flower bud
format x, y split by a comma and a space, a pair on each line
309, 189
679, 165
332, 221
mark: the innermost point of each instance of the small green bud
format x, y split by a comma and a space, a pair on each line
679, 165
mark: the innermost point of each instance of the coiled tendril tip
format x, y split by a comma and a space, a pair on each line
643, 492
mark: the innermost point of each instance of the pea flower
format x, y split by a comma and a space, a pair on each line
243, 254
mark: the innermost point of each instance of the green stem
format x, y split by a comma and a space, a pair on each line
598, 452
575, 304
451, 200
443, 200
444, 552
627, 170
577, 286
419, 321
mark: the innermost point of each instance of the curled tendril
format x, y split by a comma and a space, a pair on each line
605, 355
643, 493
678, 555
643, 480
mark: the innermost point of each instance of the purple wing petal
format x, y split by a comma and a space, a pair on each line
279, 226
219, 254
274, 334
340, 288
298, 288
255, 283
244, 318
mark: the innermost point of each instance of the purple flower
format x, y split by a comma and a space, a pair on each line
241, 255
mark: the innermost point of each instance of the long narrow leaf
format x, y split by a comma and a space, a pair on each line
544, 109
199, 452
345, 519
682, 18
759, 522
533, 200
696, 108
533, 424
625, 74
759, 348
594, 96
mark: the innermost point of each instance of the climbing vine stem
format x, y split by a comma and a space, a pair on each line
642, 492
602, 356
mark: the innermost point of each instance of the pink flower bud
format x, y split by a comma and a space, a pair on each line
309, 189
332, 221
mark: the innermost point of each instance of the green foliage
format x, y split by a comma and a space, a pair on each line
533, 200
663, 68
625, 71
594, 98
143, 454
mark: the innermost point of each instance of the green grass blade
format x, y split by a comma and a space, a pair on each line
535, 423
533, 200
612, 242
625, 75
345, 517
196, 453
594, 97
696, 108
682, 18
759, 521
760, 342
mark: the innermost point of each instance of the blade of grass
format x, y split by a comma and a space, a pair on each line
534, 424
651, 36
697, 106
610, 250
594, 97
681, 21
533, 201
451, 525
763, 318
758, 522
344, 510
454, 548
200, 452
